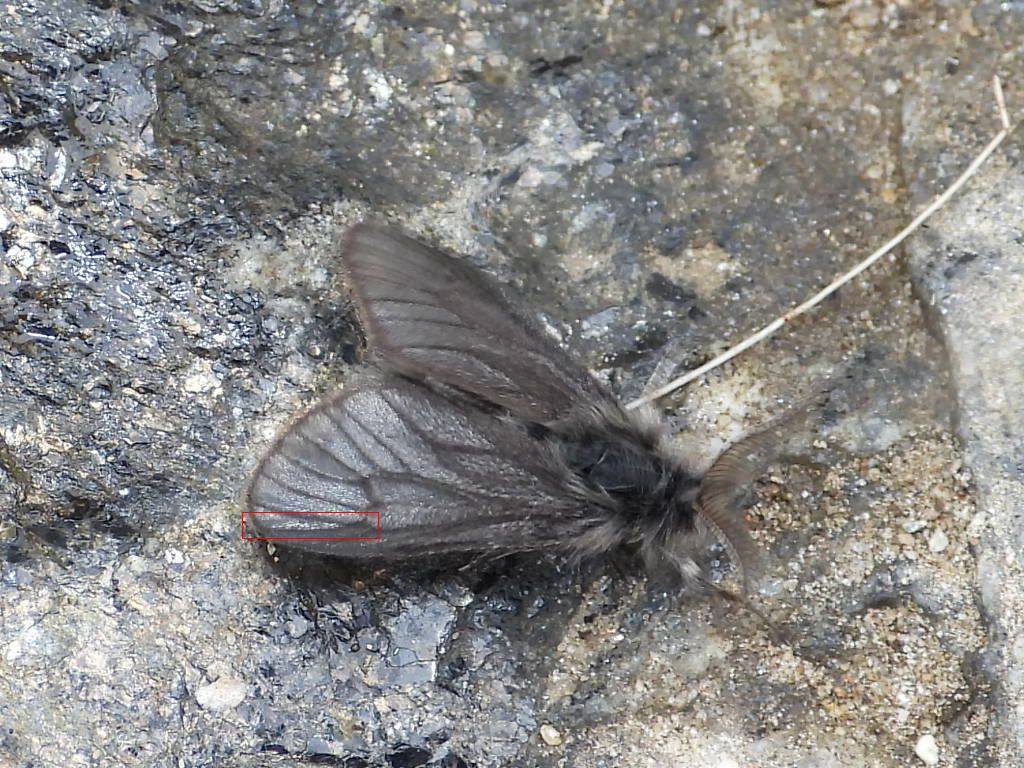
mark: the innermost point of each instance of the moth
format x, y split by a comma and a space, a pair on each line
472, 431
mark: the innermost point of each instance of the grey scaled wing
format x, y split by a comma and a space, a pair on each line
444, 477
431, 317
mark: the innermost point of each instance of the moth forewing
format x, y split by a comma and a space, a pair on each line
444, 477
430, 316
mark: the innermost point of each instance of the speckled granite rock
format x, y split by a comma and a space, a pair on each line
971, 269
655, 182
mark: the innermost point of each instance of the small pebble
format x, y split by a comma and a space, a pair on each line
223, 693
550, 735
927, 749
938, 541
298, 626
174, 556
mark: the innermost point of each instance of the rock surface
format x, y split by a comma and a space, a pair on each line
970, 265
655, 183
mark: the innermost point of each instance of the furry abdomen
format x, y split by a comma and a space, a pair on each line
626, 466
642, 482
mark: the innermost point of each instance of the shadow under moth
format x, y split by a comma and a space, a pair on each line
472, 432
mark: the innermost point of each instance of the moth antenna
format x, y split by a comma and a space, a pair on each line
744, 461
728, 528
732, 474
718, 503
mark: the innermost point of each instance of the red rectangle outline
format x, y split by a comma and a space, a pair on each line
311, 538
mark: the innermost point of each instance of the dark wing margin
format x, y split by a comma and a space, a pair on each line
429, 316
445, 479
